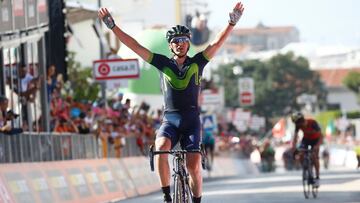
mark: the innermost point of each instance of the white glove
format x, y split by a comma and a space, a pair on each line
109, 21
235, 16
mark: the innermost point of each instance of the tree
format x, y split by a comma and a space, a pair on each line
80, 85
278, 83
352, 81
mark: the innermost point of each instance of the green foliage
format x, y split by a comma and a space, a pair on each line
353, 114
352, 81
323, 118
278, 82
79, 85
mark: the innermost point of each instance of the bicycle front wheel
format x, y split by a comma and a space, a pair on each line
177, 190
306, 183
182, 193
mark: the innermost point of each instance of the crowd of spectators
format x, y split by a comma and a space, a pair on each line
111, 121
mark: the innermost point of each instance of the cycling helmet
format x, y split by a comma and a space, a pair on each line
178, 30
297, 117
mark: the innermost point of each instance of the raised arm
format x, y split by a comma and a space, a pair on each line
129, 41
215, 45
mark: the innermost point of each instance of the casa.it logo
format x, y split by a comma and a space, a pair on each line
104, 69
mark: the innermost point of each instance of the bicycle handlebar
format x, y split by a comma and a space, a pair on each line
172, 152
176, 151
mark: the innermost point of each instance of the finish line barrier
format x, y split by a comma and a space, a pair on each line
91, 180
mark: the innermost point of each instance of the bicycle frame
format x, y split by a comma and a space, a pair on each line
182, 192
307, 173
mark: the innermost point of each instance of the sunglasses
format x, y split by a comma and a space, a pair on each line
179, 39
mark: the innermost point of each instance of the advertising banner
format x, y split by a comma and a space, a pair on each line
19, 14
32, 13
5, 16
42, 9
116, 69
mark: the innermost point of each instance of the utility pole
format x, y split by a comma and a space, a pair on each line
178, 10
102, 56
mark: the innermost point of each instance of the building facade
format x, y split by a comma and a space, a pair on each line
263, 38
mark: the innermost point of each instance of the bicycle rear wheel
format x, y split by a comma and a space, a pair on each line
314, 190
306, 183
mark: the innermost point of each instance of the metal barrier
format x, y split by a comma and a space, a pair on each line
38, 147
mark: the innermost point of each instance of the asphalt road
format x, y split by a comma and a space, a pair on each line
338, 185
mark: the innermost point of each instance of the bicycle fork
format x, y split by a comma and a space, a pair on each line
182, 192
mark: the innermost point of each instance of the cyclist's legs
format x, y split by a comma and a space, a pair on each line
315, 154
193, 163
315, 157
161, 161
166, 138
191, 141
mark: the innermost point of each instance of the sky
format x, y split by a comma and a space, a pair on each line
323, 22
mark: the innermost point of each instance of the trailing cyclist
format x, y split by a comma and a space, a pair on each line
312, 137
208, 140
180, 79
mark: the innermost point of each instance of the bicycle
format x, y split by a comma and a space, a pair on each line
182, 192
308, 174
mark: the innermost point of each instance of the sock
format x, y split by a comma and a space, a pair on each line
197, 199
166, 192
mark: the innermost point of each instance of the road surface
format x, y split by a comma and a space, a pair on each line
338, 185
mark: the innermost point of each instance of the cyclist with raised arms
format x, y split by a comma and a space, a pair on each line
312, 136
180, 80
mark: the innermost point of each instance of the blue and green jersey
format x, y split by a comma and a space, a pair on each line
180, 87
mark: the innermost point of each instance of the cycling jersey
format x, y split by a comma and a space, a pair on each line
180, 86
311, 129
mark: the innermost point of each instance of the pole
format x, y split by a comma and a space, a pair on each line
2, 73
102, 56
178, 12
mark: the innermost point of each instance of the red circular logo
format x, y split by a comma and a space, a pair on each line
104, 69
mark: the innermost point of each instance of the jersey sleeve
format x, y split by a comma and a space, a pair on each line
158, 61
201, 60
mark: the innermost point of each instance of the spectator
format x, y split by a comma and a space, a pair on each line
118, 140
65, 126
26, 90
89, 119
117, 106
28, 84
5, 116
267, 155
53, 81
83, 127
357, 152
127, 104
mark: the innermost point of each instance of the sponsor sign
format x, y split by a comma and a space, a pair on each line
32, 13
210, 97
116, 69
19, 14
246, 91
42, 9
5, 16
